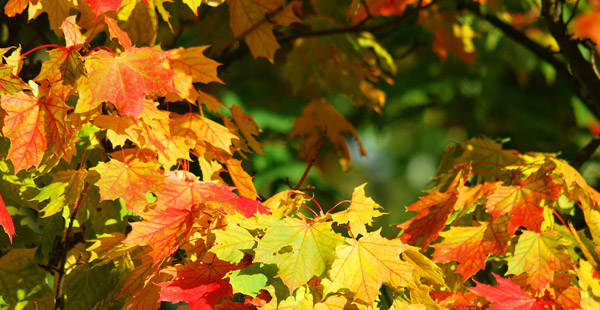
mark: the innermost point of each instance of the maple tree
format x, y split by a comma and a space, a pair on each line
124, 182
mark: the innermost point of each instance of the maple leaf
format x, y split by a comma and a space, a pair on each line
470, 246
57, 11
565, 294
231, 241
184, 191
301, 250
126, 78
156, 135
64, 64
248, 129
119, 129
192, 62
9, 83
241, 179
101, 6
540, 255
116, 32
6, 221
319, 117
248, 19
197, 128
129, 181
364, 265
449, 35
163, 230
508, 296
360, 213
14, 7
433, 212
485, 152
141, 284
522, 201
201, 285
454, 300
32, 125
65, 189
72, 32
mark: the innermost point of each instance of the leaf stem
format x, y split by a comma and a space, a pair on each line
311, 198
40, 47
312, 160
337, 204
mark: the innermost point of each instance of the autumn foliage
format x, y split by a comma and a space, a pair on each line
97, 148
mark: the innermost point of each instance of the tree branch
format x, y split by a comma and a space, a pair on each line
586, 153
582, 71
543, 53
68, 245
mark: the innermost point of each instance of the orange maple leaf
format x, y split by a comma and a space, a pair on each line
33, 124
522, 201
470, 246
130, 181
433, 211
126, 78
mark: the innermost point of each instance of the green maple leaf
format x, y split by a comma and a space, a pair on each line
231, 241
299, 249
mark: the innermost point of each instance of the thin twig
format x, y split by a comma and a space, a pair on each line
572, 13
359, 27
312, 159
68, 244
585, 153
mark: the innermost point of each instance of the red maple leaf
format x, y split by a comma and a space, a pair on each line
6, 220
101, 6
508, 296
522, 201
199, 284
184, 191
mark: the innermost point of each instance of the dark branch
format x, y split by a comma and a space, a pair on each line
588, 84
68, 244
586, 153
543, 53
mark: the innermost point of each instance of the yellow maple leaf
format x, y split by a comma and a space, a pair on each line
360, 213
